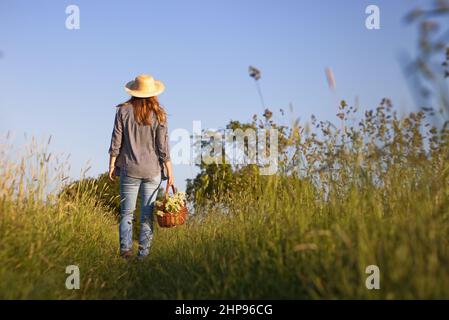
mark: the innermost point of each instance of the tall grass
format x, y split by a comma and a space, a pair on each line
42, 235
375, 193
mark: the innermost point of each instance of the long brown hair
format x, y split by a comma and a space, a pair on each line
145, 108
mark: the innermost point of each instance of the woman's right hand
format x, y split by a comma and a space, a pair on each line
170, 177
170, 181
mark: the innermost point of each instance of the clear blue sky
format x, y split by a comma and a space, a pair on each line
67, 82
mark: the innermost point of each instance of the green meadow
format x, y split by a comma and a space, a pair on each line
371, 191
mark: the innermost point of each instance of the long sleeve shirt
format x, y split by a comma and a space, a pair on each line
140, 149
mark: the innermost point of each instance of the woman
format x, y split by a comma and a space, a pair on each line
139, 154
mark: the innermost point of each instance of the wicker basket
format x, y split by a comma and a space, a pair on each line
172, 219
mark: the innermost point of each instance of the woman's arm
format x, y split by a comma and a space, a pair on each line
112, 167
163, 149
116, 143
171, 177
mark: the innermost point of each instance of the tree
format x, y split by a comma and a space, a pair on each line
220, 183
428, 72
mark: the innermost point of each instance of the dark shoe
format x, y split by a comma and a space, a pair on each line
126, 254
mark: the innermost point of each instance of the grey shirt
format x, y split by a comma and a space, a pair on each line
141, 150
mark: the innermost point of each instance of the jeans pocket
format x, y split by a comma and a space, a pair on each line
156, 179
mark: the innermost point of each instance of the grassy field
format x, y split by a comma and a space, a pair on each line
300, 235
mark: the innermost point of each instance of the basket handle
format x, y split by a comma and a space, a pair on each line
167, 189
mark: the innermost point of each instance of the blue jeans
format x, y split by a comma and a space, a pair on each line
129, 188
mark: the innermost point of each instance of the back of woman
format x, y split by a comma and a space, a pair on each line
141, 148
139, 154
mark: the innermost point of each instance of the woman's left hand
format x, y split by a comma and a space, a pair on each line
112, 160
112, 173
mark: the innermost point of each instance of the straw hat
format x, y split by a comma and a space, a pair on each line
144, 86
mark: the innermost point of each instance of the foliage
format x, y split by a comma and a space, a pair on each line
368, 191
428, 72
107, 195
221, 183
